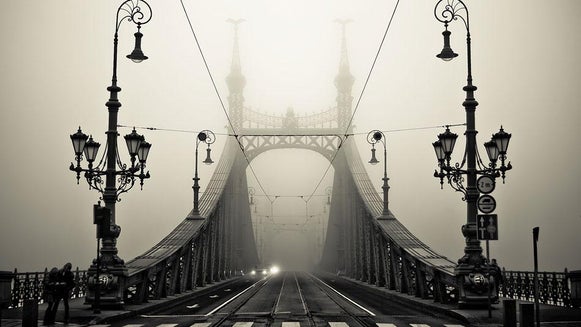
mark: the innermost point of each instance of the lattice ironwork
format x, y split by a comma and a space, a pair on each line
325, 144
256, 119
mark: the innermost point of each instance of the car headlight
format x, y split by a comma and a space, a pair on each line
253, 272
274, 270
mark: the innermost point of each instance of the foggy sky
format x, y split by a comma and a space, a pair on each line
56, 62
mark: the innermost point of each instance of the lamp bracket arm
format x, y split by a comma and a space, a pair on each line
132, 11
449, 10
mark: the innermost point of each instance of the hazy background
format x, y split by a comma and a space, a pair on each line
56, 62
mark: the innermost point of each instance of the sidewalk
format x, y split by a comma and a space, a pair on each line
82, 314
549, 315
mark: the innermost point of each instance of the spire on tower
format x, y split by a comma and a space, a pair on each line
344, 80
235, 80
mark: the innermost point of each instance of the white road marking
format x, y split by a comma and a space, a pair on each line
380, 324
243, 324
230, 300
338, 324
201, 324
193, 306
346, 298
291, 324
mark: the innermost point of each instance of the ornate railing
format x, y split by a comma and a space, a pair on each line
554, 287
29, 286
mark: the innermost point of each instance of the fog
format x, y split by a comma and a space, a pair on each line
56, 62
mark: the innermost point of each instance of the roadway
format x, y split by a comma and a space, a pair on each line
288, 299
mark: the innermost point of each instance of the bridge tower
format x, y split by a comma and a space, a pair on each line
344, 83
236, 82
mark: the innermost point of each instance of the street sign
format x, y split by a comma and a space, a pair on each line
485, 184
486, 203
487, 227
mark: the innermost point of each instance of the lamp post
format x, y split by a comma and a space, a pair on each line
207, 137
108, 267
373, 138
469, 268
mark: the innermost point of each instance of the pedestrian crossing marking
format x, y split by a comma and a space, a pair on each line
284, 324
243, 324
199, 324
291, 324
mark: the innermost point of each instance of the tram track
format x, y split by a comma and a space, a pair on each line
291, 298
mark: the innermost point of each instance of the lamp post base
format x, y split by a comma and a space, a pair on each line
474, 286
111, 286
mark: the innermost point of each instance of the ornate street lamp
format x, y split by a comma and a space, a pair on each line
118, 177
208, 137
373, 138
471, 264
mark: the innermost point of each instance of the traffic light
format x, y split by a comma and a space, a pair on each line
101, 218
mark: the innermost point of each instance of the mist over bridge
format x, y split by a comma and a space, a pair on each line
363, 239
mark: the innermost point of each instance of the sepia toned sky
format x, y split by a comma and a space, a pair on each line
56, 62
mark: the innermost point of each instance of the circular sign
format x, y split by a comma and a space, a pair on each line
485, 184
486, 204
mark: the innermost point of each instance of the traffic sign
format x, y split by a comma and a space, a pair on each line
485, 184
487, 227
486, 203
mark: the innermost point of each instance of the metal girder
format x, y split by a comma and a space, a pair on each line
256, 119
256, 141
380, 251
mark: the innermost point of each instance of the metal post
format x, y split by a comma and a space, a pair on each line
536, 275
488, 274
385, 186
196, 186
96, 302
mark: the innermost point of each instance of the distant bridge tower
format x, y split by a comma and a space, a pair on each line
344, 83
236, 82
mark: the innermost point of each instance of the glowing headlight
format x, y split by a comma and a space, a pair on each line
274, 270
253, 272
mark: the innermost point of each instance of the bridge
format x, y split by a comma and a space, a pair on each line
216, 243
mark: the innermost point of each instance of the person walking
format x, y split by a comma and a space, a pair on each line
64, 287
49, 295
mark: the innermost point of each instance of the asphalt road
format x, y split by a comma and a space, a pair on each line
289, 299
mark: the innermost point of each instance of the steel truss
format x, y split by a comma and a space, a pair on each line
364, 245
202, 251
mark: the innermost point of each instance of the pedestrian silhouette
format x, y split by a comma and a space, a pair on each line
64, 286
49, 295
496, 272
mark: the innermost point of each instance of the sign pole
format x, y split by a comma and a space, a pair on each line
488, 274
536, 276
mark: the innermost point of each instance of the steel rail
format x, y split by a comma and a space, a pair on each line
332, 294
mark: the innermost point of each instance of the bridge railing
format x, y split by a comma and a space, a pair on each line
554, 287
29, 286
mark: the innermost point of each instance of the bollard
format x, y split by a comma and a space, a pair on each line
509, 313
527, 315
30, 313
